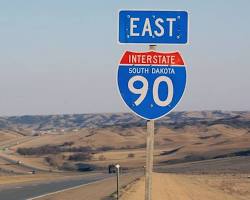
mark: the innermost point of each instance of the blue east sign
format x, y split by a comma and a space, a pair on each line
153, 27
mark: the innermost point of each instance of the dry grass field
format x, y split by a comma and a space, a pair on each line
126, 145
192, 187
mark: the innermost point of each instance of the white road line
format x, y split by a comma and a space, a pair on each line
85, 184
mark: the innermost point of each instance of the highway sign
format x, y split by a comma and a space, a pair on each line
151, 83
153, 27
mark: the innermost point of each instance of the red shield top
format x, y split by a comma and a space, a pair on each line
152, 58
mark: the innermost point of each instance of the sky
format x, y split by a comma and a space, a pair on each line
61, 57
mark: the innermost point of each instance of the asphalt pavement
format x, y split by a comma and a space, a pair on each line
32, 190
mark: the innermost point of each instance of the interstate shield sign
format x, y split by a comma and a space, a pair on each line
151, 83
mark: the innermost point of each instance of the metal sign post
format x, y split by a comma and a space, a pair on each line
149, 161
149, 152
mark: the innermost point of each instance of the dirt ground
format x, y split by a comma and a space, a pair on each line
192, 187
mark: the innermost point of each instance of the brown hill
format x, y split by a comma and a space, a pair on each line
109, 138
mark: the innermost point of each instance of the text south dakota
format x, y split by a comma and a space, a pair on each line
151, 70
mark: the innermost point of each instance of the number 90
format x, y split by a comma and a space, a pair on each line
144, 89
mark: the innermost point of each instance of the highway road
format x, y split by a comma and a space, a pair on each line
16, 141
32, 190
20, 165
239, 164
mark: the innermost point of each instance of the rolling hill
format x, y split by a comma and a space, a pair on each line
77, 121
180, 137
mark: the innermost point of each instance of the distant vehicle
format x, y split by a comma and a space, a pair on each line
32, 172
112, 169
18, 162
